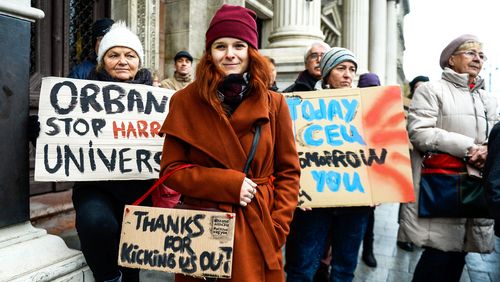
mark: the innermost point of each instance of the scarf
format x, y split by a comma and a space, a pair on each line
183, 78
143, 76
232, 90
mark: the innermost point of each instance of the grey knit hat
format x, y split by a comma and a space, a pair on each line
333, 57
453, 46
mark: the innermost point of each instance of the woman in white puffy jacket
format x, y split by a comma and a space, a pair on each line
452, 115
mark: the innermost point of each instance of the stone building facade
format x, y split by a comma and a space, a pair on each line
373, 30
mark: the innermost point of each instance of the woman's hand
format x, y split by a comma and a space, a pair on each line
248, 190
477, 156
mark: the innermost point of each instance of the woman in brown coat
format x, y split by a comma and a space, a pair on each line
212, 123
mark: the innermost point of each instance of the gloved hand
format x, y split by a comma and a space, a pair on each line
33, 129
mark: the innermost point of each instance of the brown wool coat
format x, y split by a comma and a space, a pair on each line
195, 134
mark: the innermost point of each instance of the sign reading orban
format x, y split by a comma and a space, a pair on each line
93, 130
353, 146
195, 243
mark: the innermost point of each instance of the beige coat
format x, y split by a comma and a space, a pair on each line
176, 82
446, 116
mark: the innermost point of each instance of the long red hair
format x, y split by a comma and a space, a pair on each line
209, 77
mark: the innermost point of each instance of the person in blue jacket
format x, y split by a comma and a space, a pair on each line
83, 69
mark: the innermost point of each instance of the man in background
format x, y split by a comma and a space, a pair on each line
182, 76
307, 79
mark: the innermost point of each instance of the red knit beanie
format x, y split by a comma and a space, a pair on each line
233, 21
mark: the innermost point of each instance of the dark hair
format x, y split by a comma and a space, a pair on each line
100, 27
271, 60
414, 82
182, 54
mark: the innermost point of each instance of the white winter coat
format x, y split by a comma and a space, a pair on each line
447, 116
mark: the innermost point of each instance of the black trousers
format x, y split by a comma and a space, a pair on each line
437, 265
368, 238
99, 212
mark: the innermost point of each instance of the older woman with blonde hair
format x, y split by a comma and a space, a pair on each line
453, 116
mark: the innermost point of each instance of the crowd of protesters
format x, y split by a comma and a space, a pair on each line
233, 99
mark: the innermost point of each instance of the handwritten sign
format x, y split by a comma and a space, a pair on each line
92, 130
196, 243
353, 146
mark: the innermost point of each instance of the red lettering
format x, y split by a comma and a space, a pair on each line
155, 128
142, 126
117, 129
137, 129
131, 129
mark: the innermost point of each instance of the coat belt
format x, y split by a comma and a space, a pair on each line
260, 231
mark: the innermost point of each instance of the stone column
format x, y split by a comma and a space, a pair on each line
186, 32
378, 28
14, 79
26, 253
143, 17
391, 75
295, 23
185, 24
355, 30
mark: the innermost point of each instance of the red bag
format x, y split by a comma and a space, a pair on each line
447, 190
163, 197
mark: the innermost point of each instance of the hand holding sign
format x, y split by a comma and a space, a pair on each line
353, 147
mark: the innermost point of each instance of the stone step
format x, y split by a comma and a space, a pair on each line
54, 212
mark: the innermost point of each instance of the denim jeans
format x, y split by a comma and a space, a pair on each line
308, 235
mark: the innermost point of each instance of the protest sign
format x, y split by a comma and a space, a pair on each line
353, 146
94, 130
196, 243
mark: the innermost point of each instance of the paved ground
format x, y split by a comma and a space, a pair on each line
395, 264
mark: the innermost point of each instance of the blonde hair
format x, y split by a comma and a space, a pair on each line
467, 45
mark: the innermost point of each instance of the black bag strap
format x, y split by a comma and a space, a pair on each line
251, 155
255, 141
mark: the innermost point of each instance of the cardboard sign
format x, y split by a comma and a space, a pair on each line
353, 146
93, 130
196, 243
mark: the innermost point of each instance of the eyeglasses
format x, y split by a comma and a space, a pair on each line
316, 56
472, 54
